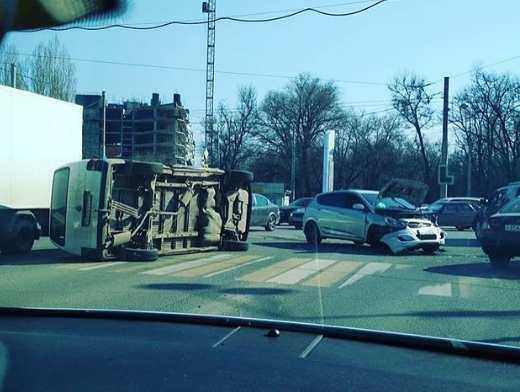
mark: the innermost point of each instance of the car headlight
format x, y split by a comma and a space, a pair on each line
395, 223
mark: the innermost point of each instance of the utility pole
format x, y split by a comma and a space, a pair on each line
293, 166
211, 141
13, 75
104, 126
444, 149
328, 161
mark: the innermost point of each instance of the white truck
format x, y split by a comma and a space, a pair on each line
37, 135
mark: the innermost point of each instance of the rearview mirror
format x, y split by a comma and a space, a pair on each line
358, 207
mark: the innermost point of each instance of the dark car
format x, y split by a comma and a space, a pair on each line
500, 234
496, 201
264, 212
296, 218
286, 211
460, 214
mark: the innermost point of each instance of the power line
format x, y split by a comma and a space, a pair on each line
193, 69
222, 18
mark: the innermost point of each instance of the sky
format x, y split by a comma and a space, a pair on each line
434, 38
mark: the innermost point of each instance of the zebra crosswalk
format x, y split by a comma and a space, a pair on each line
308, 271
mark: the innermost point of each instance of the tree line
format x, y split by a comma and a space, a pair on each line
372, 148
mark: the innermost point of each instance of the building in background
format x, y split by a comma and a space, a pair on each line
148, 132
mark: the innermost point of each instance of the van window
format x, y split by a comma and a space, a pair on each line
60, 188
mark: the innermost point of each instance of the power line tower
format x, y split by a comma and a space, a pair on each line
211, 140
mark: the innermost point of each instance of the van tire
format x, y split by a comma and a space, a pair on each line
239, 178
235, 246
147, 168
23, 240
139, 254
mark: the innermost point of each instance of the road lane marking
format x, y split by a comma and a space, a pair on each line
177, 267
213, 267
439, 290
267, 273
103, 265
228, 335
311, 346
332, 274
74, 265
301, 272
238, 266
162, 262
369, 269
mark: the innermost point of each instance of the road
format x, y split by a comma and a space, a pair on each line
454, 293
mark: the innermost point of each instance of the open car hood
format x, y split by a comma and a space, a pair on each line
412, 191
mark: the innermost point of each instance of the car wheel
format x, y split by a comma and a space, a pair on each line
430, 249
499, 260
235, 246
460, 228
139, 254
271, 223
312, 234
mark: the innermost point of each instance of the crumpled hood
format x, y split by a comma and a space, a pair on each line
401, 213
412, 191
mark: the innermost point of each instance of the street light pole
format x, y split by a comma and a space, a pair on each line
293, 166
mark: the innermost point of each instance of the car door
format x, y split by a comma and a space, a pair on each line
259, 210
448, 215
329, 207
354, 220
466, 215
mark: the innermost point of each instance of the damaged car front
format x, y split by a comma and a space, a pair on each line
402, 225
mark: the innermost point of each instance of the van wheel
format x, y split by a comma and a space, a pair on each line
147, 168
312, 234
235, 246
139, 254
239, 178
498, 260
23, 241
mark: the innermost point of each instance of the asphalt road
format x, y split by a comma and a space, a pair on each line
454, 293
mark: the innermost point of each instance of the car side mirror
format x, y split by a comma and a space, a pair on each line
358, 207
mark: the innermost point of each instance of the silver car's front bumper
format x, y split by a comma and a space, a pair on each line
408, 238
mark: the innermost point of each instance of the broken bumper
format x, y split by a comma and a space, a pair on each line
410, 239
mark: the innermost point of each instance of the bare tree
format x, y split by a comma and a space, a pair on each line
412, 101
9, 55
235, 127
306, 107
52, 71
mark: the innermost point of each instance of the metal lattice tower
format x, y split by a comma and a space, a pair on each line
211, 140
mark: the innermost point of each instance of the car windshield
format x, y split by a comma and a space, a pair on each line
157, 159
513, 207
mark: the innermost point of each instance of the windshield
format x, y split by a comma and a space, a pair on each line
241, 162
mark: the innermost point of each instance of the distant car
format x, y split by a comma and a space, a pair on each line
475, 201
460, 214
264, 213
496, 201
296, 218
373, 217
500, 234
286, 211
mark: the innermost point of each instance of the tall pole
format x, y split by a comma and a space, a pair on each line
444, 150
293, 166
211, 141
13, 75
328, 161
104, 125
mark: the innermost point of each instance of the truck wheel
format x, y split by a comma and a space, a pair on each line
146, 168
239, 177
271, 223
139, 254
312, 234
430, 249
23, 241
235, 246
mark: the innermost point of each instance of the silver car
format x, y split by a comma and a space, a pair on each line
371, 217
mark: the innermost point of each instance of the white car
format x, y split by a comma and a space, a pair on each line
373, 217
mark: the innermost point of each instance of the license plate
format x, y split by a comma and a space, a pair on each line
427, 231
512, 227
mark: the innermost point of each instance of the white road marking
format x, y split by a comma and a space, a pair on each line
303, 271
439, 290
369, 269
184, 266
226, 337
104, 265
311, 346
238, 266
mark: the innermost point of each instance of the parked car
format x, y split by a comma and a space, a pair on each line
496, 201
296, 218
264, 213
460, 214
475, 201
500, 234
286, 211
372, 217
